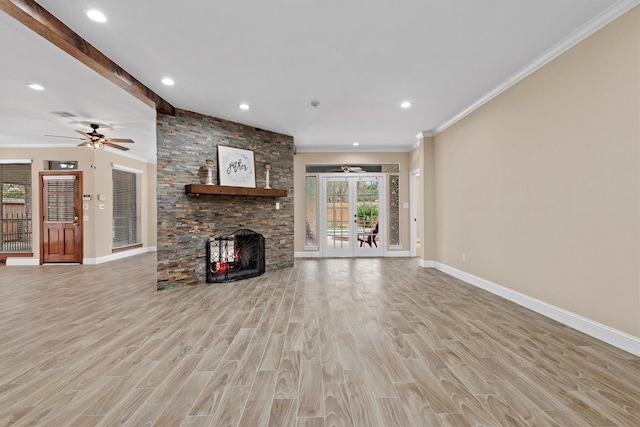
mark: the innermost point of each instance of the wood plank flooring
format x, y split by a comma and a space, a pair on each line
335, 342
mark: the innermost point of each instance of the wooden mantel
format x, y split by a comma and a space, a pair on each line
224, 190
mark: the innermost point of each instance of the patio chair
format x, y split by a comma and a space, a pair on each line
370, 237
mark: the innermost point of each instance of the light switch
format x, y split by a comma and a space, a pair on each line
85, 206
85, 218
101, 206
277, 205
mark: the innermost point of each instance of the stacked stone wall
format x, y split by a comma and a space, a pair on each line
185, 222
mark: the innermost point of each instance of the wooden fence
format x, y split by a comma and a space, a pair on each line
16, 227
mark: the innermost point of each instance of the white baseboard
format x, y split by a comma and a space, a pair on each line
316, 254
594, 329
427, 263
119, 255
397, 254
307, 254
89, 261
22, 261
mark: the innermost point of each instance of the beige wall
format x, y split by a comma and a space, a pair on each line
540, 188
104, 185
151, 213
424, 156
96, 179
301, 159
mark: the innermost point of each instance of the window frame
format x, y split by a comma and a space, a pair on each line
28, 210
117, 242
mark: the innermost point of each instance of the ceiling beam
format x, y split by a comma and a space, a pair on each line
38, 19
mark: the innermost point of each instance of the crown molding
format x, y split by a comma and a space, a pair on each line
149, 160
606, 17
426, 134
359, 149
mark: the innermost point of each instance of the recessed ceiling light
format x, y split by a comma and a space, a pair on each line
168, 81
96, 15
36, 86
244, 106
405, 104
356, 144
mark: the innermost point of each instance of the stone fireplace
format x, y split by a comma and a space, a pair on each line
186, 220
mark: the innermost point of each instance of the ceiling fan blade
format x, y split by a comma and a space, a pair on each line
69, 137
119, 140
119, 147
96, 140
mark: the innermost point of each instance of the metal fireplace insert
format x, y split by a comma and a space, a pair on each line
235, 257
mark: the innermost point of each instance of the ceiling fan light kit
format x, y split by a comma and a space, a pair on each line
92, 144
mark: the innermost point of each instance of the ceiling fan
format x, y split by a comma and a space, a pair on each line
97, 140
347, 169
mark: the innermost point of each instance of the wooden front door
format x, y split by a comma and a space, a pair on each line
61, 214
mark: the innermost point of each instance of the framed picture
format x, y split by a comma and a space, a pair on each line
236, 167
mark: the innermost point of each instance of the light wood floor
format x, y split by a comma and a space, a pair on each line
338, 342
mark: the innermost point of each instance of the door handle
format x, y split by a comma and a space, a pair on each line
75, 220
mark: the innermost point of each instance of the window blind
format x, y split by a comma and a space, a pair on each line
126, 208
60, 198
19, 174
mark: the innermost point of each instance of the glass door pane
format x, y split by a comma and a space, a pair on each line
337, 217
368, 216
60, 199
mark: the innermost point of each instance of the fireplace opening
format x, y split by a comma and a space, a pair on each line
234, 257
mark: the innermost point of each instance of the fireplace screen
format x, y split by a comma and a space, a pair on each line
234, 257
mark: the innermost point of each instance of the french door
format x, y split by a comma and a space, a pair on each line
352, 215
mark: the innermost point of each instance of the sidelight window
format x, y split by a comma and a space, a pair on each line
311, 212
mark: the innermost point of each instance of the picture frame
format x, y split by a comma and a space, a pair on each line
236, 167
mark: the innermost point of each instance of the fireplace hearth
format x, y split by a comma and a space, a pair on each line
235, 257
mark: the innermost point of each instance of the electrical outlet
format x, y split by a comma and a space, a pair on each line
464, 257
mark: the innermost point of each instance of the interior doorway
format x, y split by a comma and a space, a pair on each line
352, 215
61, 238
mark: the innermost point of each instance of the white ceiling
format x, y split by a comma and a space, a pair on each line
360, 59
